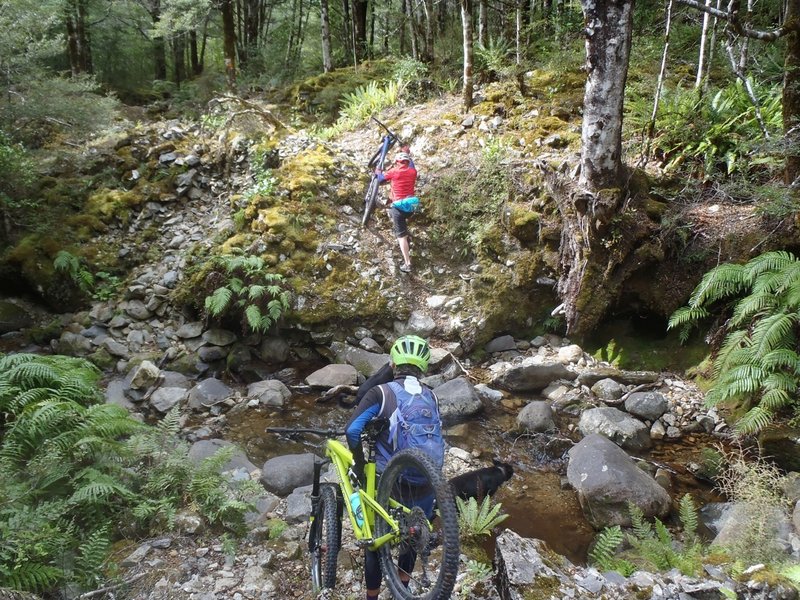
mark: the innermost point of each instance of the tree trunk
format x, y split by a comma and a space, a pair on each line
229, 42
327, 65
404, 8
360, 28
290, 43
159, 45
518, 34
702, 54
591, 265
791, 94
78, 47
412, 20
194, 56
178, 51
466, 26
651, 127
482, 16
427, 7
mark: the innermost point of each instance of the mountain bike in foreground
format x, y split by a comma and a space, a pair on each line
377, 162
383, 518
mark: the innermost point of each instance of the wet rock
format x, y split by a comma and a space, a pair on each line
274, 350
269, 393
487, 393
617, 426
606, 479
609, 391
203, 449
501, 344
219, 337
190, 330
210, 354
532, 375
332, 375
366, 363
209, 392
537, 416
165, 399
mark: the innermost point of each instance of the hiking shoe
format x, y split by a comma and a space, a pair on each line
405, 268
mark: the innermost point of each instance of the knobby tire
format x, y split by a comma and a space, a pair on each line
370, 200
445, 555
326, 534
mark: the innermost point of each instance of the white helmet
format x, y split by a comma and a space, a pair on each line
402, 156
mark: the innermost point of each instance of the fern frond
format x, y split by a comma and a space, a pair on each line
773, 332
217, 302
781, 358
236, 285
255, 292
688, 516
686, 315
769, 261
751, 306
774, 400
721, 282
31, 577
754, 420
734, 342
642, 528
253, 315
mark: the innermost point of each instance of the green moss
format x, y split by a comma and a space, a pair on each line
85, 225
271, 220
108, 204
524, 223
544, 587
102, 359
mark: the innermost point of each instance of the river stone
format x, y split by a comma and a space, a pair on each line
782, 444
219, 337
208, 392
238, 356
166, 398
737, 526
608, 390
269, 393
366, 363
501, 344
647, 405
118, 322
591, 376
145, 375
418, 324
137, 310
13, 317
570, 354
617, 426
203, 449
282, 474
73, 344
457, 399
265, 503
606, 480
211, 354
175, 379
332, 375
274, 350
522, 567
190, 330
298, 505
487, 393
115, 394
362, 332
532, 375
440, 358
115, 348
370, 345
537, 416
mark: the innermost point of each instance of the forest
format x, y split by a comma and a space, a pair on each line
172, 163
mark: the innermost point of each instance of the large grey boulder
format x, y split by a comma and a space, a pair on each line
204, 448
274, 350
282, 474
13, 317
457, 399
647, 405
366, 363
617, 426
526, 568
532, 375
536, 416
606, 479
332, 375
208, 392
269, 393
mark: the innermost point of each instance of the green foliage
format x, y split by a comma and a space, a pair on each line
16, 175
494, 59
757, 365
243, 285
704, 135
476, 573
368, 100
603, 552
100, 286
651, 544
76, 474
474, 520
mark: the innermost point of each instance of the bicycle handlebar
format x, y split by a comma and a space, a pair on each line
290, 430
389, 131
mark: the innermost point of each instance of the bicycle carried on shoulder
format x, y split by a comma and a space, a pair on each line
387, 517
377, 162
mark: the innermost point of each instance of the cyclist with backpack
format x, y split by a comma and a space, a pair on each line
402, 178
412, 410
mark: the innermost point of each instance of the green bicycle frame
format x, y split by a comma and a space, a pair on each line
342, 458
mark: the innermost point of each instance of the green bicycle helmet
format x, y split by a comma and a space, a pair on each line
411, 350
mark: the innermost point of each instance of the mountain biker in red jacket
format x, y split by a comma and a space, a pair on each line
402, 177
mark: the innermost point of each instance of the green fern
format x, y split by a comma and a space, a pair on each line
688, 516
477, 520
603, 553
757, 367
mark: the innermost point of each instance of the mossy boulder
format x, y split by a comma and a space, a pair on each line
524, 223
107, 204
13, 317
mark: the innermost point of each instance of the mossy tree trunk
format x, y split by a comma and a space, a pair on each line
79, 49
588, 258
360, 8
325, 24
791, 93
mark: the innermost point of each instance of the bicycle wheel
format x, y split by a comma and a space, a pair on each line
325, 538
370, 200
405, 563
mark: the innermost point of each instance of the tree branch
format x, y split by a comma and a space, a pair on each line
733, 18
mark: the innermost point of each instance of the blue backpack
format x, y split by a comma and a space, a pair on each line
416, 423
407, 205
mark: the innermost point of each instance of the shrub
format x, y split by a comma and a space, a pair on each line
757, 364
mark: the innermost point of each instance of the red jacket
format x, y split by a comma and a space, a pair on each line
402, 180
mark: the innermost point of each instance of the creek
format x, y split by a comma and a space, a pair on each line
538, 503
